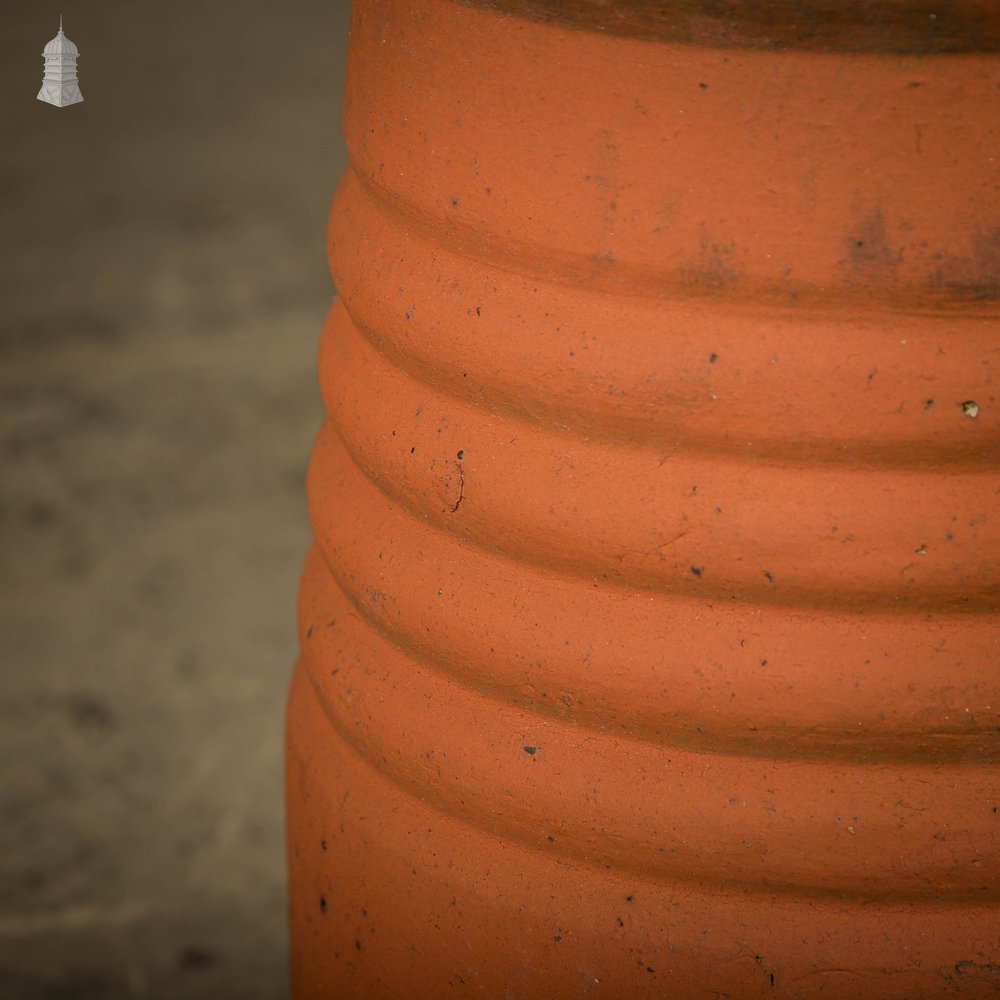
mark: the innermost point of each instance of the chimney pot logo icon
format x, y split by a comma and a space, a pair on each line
59, 85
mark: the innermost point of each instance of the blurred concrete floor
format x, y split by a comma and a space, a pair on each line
163, 288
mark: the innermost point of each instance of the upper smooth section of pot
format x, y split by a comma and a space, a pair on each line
900, 26
780, 176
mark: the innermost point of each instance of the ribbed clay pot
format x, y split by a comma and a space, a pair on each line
649, 641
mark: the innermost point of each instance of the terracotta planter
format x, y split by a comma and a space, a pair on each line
649, 643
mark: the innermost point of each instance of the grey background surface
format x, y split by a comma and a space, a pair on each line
163, 287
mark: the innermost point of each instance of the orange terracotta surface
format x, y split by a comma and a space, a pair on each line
649, 641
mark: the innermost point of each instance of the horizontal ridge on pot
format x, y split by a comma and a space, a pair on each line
762, 679
400, 892
666, 517
554, 784
719, 376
